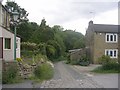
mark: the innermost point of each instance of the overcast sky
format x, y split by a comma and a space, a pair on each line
71, 14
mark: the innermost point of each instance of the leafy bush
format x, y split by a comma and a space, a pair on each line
57, 48
29, 46
108, 65
84, 60
111, 66
104, 60
9, 75
108, 68
29, 49
42, 48
40, 57
28, 54
50, 51
44, 71
68, 59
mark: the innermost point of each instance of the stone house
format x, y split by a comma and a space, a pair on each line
7, 37
101, 39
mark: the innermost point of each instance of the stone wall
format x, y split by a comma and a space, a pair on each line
77, 54
5, 65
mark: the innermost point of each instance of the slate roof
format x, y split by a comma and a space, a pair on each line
106, 28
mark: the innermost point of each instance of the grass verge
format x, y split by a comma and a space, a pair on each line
100, 69
43, 72
10, 75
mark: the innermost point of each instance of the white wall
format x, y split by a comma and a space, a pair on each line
8, 55
18, 47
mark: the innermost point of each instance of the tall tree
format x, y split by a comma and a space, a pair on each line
26, 30
12, 7
43, 34
58, 36
71, 38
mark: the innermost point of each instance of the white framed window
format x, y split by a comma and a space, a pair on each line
111, 38
113, 53
7, 43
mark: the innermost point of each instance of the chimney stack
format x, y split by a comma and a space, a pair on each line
91, 23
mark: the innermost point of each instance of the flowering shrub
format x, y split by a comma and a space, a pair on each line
29, 46
29, 49
19, 59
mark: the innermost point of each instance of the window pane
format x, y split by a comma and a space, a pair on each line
107, 53
111, 53
111, 37
114, 53
107, 37
7, 43
115, 38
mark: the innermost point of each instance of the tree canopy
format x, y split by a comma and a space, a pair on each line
53, 41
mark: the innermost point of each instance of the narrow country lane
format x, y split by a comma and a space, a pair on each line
69, 76
66, 76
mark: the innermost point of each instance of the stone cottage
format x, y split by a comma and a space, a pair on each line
101, 39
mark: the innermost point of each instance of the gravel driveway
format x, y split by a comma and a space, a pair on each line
105, 80
68, 76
